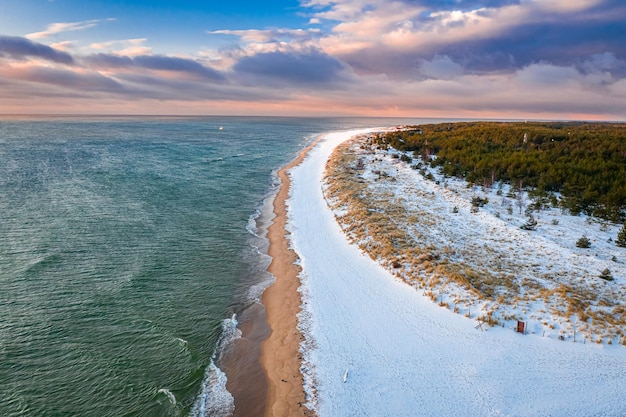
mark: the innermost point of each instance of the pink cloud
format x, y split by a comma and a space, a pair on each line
56, 28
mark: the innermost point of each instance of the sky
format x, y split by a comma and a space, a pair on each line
514, 59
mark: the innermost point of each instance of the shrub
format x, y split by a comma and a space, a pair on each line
479, 202
606, 275
583, 242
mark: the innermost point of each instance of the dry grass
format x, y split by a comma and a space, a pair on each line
398, 236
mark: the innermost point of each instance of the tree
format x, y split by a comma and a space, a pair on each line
621, 237
520, 201
531, 223
583, 242
582, 162
479, 202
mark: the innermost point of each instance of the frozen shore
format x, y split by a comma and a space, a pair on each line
377, 347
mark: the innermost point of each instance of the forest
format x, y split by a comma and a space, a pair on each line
578, 166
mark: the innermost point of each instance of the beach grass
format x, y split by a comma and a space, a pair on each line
483, 279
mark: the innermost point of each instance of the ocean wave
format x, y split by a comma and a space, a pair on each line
170, 396
214, 399
252, 226
259, 259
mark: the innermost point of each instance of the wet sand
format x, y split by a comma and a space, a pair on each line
263, 366
280, 356
246, 377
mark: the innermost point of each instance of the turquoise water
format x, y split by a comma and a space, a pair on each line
124, 244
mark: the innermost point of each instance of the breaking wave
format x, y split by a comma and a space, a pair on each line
214, 399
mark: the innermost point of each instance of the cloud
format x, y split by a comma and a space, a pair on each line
64, 46
440, 67
56, 28
483, 36
155, 63
297, 68
124, 46
270, 35
21, 48
76, 81
446, 58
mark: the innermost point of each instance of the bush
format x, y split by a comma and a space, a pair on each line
606, 275
479, 202
583, 242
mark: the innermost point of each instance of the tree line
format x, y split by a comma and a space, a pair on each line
585, 163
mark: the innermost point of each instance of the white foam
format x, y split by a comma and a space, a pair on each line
257, 226
251, 226
214, 399
170, 396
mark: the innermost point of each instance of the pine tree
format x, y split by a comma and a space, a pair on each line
531, 223
621, 237
583, 242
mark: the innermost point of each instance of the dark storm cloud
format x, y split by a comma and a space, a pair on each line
20, 48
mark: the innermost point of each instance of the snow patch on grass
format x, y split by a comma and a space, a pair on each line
464, 247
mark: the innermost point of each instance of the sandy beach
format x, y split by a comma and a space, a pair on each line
377, 346
280, 356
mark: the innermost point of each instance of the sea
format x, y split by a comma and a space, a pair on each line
128, 248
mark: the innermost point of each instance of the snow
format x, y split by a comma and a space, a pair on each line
402, 355
537, 276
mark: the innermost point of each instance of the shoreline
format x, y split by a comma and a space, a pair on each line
441, 363
280, 351
352, 368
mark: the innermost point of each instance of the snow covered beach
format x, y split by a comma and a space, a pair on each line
400, 354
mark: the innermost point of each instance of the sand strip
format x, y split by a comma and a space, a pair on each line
280, 355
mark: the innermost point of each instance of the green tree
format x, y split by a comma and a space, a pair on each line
621, 237
583, 242
531, 223
585, 163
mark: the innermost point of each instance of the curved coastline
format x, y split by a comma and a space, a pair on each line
383, 348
